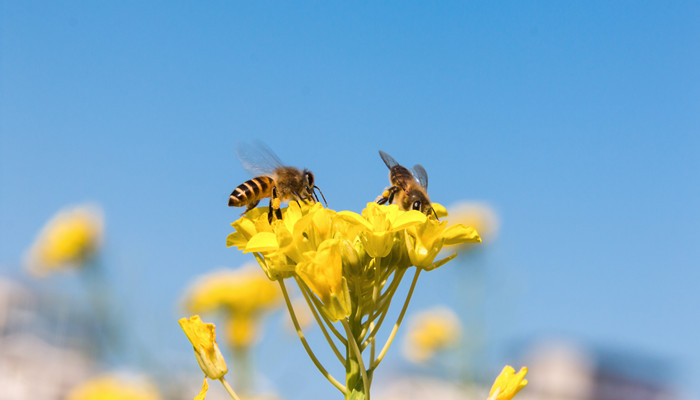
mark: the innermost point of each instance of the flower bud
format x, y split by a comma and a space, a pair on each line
202, 337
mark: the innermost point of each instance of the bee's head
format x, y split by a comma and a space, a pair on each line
308, 179
309, 185
420, 202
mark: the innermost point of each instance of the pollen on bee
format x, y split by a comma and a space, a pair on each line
276, 203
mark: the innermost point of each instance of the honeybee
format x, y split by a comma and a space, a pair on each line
274, 180
408, 188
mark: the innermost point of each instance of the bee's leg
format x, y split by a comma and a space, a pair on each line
388, 195
274, 205
394, 190
297, 198
250, 206
269, 212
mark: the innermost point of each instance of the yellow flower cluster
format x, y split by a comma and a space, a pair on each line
114, 387
67, 241
242, 296
344, 256
429, 332
508, 383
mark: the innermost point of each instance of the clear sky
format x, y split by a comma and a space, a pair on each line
577, 121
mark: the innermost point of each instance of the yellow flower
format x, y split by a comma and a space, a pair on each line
242, 295
481, 216
379, 225
323, 273
242, 330
202, 337
114, 387
424, 241
429, 332
315, 243
67, 241
244, 290
278, 247
508, 383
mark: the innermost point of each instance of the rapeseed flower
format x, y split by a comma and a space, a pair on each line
348, 267
69, 240
430, 332
508, 383
114, 387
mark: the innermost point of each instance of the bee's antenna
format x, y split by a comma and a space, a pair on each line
324, 197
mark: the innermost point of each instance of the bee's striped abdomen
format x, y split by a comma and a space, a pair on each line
251, 191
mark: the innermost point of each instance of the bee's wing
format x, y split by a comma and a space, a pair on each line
257, 158
388, 160
421, 175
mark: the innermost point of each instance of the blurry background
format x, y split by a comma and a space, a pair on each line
576, 123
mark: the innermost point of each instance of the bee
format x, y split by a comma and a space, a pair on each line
274, 180
408, 188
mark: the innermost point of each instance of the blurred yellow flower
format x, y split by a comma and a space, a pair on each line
243, 290
242, 296
242, 330
481, 216
430, 332
508, 383
114, 387
68, 240
202, 336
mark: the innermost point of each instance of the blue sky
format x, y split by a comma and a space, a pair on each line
577, 122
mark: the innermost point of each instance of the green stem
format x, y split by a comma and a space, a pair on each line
385, 298
243, 369
321, 323
319, 307
311, 354
358, 356
228, 388
381, 355
384, 310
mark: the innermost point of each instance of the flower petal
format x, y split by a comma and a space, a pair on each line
262, 242
354, 218
440, 210
508, 383
457, 234
408, 218
203, 392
